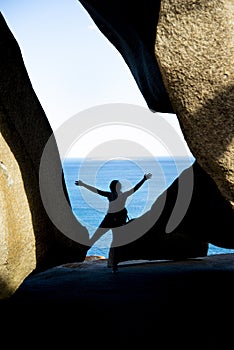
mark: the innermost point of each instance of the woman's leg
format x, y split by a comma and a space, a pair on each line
98, 234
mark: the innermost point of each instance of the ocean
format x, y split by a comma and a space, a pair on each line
90, 208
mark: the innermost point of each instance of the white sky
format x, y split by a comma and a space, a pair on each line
134, 136
72, 66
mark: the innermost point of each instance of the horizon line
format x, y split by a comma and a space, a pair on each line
131, 157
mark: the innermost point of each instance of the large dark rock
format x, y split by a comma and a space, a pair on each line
29, 240
132, 30
158, 305
209, 218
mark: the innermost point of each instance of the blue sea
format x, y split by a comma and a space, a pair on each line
90, 208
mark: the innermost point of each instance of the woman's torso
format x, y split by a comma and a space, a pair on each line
117, 202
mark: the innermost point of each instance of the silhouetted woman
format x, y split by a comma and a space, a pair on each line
117, 213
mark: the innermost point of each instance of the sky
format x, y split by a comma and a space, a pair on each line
73, 67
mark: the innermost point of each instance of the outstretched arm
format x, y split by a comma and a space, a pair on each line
91, 188
139, 184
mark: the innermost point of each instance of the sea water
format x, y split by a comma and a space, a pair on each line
90, 208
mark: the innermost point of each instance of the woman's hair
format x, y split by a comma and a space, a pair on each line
113, 185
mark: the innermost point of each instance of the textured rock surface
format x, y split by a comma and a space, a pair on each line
28, 239
195, 52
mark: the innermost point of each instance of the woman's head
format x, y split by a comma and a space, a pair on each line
115, 186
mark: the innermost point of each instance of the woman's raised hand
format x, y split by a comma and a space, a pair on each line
78, 183
148, 176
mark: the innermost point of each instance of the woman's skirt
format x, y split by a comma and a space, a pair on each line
116, 219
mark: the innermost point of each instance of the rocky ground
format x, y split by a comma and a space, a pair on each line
188, 304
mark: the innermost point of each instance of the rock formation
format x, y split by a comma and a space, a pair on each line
195, 52
208, 219
133, 34
28, 239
